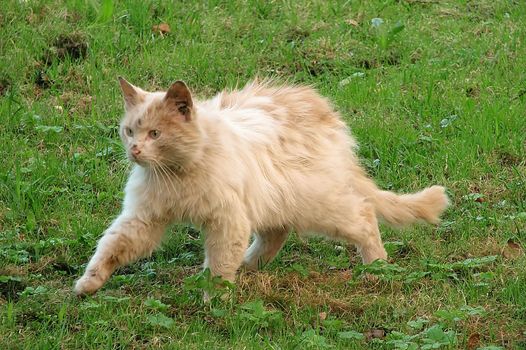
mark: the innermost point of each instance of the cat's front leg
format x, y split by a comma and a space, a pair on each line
126, 240
225, 245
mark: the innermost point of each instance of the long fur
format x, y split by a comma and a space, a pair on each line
258, 161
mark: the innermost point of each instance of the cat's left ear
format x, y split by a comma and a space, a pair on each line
179, 96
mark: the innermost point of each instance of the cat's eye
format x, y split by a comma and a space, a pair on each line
129, 132
154, 134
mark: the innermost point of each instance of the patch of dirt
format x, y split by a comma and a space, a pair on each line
42, 80
391, 59
508, 159
9, 290
5, 84
296, 34
64, 267
73, 45
472, 91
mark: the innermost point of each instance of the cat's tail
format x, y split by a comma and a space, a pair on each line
404, 209
400, 210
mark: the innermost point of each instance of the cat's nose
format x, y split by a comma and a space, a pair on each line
135, 150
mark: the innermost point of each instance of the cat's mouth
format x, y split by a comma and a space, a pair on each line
138, 159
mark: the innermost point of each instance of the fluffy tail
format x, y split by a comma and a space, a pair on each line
400, 210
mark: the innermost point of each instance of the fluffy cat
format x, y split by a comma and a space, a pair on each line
260, 161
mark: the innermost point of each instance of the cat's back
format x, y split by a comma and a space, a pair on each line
293, 106
289, 123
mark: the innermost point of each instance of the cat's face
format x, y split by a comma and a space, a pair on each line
159, 128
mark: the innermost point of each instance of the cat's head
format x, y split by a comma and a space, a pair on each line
159, 128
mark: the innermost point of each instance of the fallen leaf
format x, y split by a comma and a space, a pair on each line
345, 275
322, 315
374, 334
473, 341
352, 22
162, 28
512, 250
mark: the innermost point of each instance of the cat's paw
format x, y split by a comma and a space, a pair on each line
87, 285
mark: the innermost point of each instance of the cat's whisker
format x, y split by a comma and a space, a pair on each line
170, 171
154, 168
156, 180
151, 179
168, 178
174, 175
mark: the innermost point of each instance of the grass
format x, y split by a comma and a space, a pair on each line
434, 92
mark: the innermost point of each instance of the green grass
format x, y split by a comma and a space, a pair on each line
440, 100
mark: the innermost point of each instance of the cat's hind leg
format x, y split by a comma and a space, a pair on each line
370, 246
127, 239
265, 247
352, 218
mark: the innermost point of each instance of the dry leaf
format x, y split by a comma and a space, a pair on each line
322, 315
352, 22
345, 275
374, 334
512, 250
473, 341
162, 28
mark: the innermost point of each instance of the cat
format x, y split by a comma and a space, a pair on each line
260, 162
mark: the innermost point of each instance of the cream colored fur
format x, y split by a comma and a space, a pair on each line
259, 161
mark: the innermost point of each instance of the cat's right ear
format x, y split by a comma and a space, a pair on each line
132, 95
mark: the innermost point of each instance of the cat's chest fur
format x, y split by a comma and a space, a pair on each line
187, 199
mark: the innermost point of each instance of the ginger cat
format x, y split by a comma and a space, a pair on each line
260, 161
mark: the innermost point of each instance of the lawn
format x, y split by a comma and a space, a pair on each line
434, 91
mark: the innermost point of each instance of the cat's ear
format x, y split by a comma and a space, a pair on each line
132, 94
179, 96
